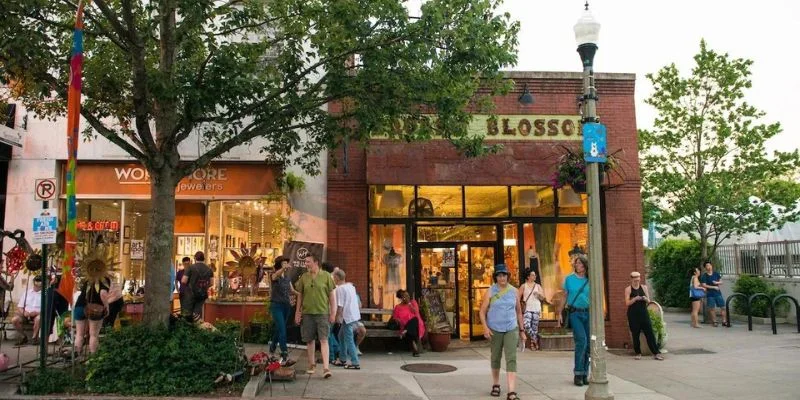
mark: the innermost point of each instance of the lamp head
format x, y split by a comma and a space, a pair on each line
526, 98
587, 35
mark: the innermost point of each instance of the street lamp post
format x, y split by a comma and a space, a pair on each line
587, 32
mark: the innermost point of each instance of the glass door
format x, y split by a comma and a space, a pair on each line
439, 272
481, 263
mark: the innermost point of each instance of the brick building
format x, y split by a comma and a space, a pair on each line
422, 217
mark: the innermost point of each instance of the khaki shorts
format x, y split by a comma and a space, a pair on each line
314, 327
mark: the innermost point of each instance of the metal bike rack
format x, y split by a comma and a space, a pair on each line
749, 307
772, 310
728, 305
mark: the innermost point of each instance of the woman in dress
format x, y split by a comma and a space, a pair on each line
531, 296
636, 299
696, 294
501, 316
412, 327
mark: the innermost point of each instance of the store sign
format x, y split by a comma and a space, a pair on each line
98, 225
219, 179
507, 127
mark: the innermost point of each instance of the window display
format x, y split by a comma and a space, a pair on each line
387, 264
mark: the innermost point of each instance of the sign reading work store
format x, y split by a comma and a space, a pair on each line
505, 127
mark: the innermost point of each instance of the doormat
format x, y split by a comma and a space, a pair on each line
428, 368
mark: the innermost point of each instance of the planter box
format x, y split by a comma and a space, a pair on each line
557, 342
757, 320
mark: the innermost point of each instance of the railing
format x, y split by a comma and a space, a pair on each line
772, 259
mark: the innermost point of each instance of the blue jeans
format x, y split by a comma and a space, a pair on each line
348, 344
280, 313
579, 322
333, 345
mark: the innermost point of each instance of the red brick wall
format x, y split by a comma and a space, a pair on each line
437, 163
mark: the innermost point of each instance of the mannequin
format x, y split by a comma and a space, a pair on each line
533, 263
392, 281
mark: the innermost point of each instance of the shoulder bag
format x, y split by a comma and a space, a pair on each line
94, 311
565, 311
524, 302
695, 292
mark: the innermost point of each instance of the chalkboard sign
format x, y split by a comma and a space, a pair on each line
436, 308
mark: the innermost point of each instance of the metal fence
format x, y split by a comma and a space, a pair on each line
773, 259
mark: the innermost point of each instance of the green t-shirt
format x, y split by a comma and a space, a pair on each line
315, 292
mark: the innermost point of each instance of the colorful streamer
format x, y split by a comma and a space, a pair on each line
67, 286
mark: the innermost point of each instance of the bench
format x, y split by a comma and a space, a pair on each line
373, 320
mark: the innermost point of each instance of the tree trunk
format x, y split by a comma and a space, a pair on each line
158, 296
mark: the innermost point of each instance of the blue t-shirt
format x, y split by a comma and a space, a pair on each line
709, 280
577, 297
502, 314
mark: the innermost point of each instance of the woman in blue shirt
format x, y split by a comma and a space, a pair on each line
576, 290
501, 316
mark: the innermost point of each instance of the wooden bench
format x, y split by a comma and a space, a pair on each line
373, 320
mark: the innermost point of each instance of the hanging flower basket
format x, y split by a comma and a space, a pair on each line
571, 170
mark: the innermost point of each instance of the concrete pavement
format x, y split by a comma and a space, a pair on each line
708, 364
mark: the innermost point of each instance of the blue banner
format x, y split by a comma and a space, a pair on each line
594, 142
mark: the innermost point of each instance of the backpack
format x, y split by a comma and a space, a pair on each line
201, 285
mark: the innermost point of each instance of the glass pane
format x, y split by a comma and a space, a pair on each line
457, 233
390, 201
137, 222
438, 270
511, 252
387, 264
572, 203
487, 201
549, 250
482, 269
99, 221
463, 293
532, 201
438, 201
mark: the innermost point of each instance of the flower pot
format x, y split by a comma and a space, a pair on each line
439, 341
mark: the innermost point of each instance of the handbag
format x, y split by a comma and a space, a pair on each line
522, 303
695, 292
94, 311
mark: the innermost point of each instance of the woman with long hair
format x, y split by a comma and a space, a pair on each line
92, 293
531, 296
696, 294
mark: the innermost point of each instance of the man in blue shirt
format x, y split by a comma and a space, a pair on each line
576, 290
711, 281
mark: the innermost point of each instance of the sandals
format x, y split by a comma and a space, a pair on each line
638, 357
659, 357
716, 324
338, 363
352, 366
512, 396
326, 373
311, 370
495, 391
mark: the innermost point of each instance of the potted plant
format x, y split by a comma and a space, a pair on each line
659, 328
571, 169
438, 338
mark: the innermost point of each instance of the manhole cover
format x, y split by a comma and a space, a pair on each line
428, 368
691, 351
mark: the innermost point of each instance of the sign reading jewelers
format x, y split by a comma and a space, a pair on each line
219, 180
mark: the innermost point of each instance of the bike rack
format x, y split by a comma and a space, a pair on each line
772, 310
750, 315
728, 305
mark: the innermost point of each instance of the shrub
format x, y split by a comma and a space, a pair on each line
55, 380
669, 271
749, 285
659, 329
161, 362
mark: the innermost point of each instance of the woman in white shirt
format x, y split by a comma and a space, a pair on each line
531, 296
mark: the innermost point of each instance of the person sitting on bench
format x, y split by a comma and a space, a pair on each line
31, 307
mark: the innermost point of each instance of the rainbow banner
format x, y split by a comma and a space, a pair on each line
67, 285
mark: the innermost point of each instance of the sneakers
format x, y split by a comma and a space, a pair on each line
578, 381
359, 351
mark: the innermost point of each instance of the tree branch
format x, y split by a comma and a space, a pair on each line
113, 19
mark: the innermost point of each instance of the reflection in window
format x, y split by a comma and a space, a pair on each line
572, 203
387, 264
549, 250
98, 221
532, 201
387, 201
457, 233
437, 201
511, 252
487, 201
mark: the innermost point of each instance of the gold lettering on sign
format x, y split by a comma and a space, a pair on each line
524, 127
506, 129
539, 125
568, 127
491, 127
552, 127
499, 127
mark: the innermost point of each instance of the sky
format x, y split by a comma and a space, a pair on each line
640, 36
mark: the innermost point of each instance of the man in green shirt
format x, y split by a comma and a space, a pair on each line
316, 309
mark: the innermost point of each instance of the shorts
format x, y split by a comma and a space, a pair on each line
79, 313
693, 299
314, 327
715, 302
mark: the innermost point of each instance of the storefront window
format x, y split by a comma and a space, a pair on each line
549, 249
438, 201
134, 232
457, 233
532, 201
390, 201
387, 264
572, 203
486, 201
98, 221
511, 252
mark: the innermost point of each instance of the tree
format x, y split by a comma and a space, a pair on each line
160, 71
704, 162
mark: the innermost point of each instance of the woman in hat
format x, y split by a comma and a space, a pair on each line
501, 316
280, 307
637, 299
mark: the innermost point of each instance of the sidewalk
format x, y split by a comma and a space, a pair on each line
732, 364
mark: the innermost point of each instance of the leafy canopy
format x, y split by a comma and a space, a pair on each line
705, 158
157, 72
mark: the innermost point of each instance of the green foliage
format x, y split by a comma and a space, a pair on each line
670, 264
229, 327
659, 329
749, 285
571, 168
705, 158
142, 361
55, 380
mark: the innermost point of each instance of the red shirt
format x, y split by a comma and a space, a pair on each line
405, 312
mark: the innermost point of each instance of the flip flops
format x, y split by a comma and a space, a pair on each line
352, 367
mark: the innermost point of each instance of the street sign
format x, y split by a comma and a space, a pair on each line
45, 226
594, 142
45, 189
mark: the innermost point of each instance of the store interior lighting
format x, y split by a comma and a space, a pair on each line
392, 199
528, 198
569, 198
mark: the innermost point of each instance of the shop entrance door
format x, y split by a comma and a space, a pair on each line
461, 273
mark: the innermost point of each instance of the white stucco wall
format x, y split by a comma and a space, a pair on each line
45, 144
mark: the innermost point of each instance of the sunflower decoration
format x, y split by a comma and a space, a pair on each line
96, 262
248, 262
34, 262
